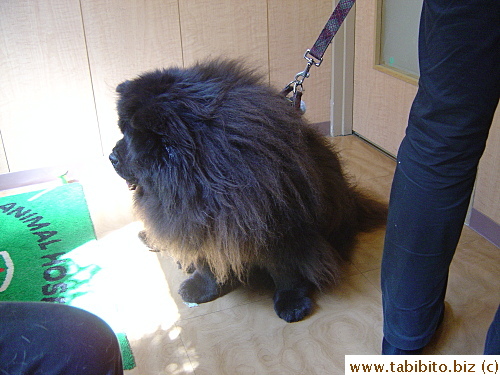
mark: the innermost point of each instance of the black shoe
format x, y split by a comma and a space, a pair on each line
388, 349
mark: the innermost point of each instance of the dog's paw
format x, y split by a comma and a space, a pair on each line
199, 289
292, 305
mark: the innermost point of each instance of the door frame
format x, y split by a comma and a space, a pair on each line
342, 90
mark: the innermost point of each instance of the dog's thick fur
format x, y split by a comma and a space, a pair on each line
230, 177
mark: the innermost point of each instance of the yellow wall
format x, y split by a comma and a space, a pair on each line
62, 59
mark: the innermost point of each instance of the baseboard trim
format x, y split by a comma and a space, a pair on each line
322, 127
485, 226
382, 150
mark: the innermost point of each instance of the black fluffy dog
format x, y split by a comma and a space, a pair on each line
230, 178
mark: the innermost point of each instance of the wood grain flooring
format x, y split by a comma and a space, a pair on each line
240, 332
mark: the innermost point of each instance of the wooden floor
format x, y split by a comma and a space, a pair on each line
240, 332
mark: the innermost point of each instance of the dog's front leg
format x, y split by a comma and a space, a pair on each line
292, 301
202, 286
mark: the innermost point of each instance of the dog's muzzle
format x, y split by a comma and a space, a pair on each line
115, 161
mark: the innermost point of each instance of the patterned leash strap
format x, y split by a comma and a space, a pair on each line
332, 26
314, 56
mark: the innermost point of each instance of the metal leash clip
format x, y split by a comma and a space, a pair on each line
311, 59
296, 87
314, 56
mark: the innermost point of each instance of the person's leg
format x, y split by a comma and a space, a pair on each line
437, 162
48, 338
492, 344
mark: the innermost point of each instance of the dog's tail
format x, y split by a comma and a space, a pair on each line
364, 214
371, 212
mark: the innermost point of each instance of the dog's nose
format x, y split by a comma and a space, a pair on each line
113, 159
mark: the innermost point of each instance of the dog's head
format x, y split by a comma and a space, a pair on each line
149, 119
168, 116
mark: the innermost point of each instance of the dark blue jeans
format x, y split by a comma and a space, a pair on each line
42, 338
459, 89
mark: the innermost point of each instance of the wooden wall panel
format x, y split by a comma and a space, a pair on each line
124, 39
226, 28
61, 61
294, 26
47, 113
4, 166
381, 102
487, 194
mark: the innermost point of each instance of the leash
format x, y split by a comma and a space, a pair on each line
314, 56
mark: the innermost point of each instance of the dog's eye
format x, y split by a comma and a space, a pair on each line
171, 152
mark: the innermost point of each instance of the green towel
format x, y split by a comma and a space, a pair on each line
46, 241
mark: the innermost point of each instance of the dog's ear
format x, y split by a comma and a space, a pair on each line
122, 87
